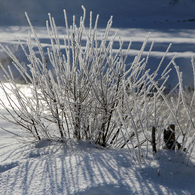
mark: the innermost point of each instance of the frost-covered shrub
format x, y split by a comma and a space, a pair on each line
150, 117
90, 93
78, 94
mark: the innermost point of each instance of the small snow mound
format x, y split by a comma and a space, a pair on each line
43, 143
106, 190
8, 166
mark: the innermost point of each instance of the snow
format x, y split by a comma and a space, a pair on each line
182, 40
77, 167
127, 14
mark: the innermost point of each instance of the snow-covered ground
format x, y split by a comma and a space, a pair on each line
77, 167
127, 14
169, 21
183, 41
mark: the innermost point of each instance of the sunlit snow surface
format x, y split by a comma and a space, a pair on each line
76, 167
182, 40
